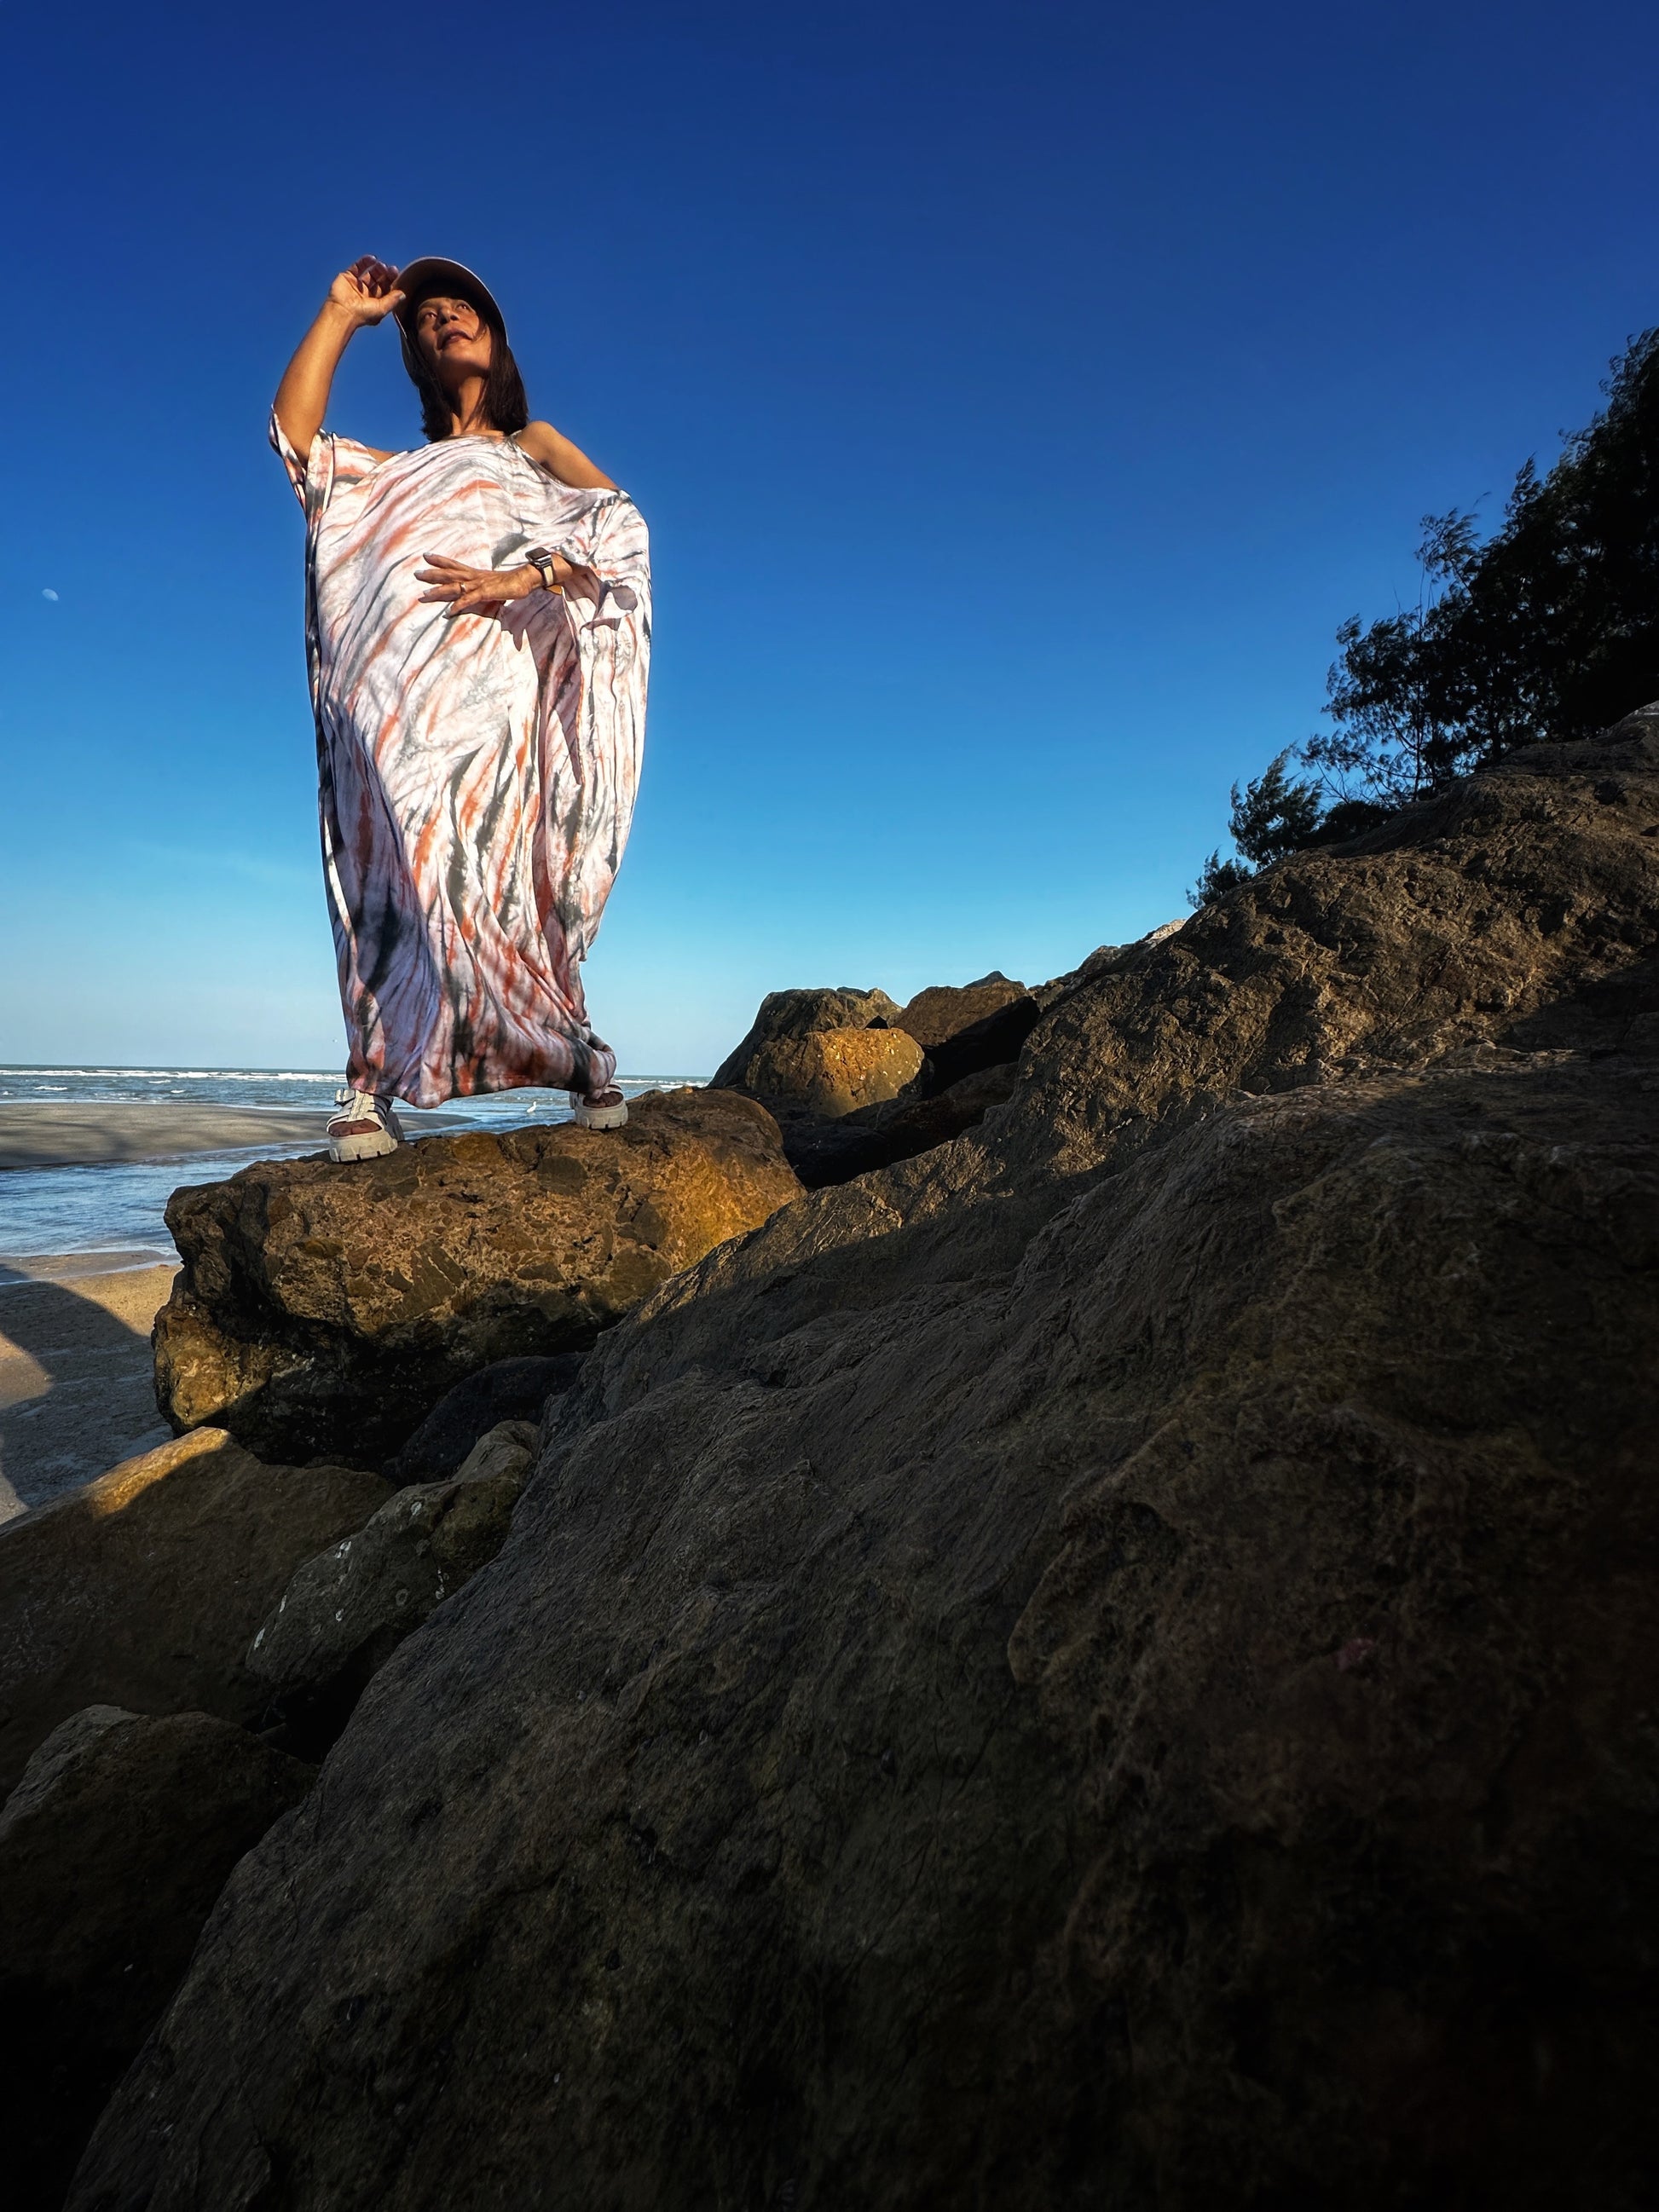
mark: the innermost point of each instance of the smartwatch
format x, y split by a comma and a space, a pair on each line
541, 560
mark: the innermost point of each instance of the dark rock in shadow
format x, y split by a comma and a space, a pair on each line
1110, 1662
143, 1589
346, 1611
113, 1849
507, 1390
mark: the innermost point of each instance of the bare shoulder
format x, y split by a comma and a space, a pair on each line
541, 441
566, 461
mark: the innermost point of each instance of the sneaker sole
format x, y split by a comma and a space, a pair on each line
344, 1150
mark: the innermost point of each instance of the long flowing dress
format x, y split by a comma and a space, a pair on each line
475, 773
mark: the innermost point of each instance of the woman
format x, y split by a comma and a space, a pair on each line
478, 740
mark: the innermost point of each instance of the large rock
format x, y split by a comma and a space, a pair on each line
346, 1611
113, 1849
830, 1073
509, 1390
1112, 1663
830, 1152
143, 1589
787, 1016
942, 1011
326, 1310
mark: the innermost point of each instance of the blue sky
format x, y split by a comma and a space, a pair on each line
1019, 396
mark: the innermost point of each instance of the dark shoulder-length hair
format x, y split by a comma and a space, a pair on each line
505, 407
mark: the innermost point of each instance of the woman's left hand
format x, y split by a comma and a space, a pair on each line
475, 591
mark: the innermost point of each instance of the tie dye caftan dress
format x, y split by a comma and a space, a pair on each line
476, 773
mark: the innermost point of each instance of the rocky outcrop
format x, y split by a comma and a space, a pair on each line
830, 1152
857, 1083
509, 1390
942, 1011
113, 1848
326, 1310
786, 1017
1109, 1663
346, 1611
830, 1073
144, 1588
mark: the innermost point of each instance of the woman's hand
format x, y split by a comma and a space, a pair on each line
486, 590
475, 591
367, 292
364, 294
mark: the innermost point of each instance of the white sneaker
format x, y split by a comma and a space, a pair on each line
362, 1126
606, 1109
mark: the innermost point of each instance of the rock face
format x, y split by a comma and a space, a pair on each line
326, 1310
143, 1589
835, 1072
345, 1612
784, 1017
510, 1390
1112, 1663
944, 1011
846, 1074
113, 1848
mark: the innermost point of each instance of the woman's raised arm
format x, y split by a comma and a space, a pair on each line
365, 292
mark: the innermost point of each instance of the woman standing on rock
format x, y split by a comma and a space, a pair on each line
479, 629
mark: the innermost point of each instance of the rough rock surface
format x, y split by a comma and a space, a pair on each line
326, 1310
1113, 1662
830, 1073
143, 1589
346, 1611
510, 1390
786, 1015
944, 1010
845, 1073
113, 1848
830, 1151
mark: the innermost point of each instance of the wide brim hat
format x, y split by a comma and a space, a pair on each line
433, 273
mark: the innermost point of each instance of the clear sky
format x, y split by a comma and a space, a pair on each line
1019, 396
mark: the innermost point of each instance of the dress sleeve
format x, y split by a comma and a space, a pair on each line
332, 461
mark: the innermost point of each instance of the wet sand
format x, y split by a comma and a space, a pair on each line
99, 1135
75, 1393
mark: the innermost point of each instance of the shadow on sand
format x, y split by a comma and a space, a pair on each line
75, 1380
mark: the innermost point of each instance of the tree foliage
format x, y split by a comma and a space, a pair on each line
1275, 815
1548, 629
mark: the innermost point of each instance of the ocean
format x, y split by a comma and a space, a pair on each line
117, 1209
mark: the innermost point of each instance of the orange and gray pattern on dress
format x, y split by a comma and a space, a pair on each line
476, 773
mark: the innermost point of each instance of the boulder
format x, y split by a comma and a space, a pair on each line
345, 1612
996, 1041
143, 1589
824, 1152
113, 1849
327, 1310
944, 1011
1109, 1662
507, 1390
786, 1015
830, 1073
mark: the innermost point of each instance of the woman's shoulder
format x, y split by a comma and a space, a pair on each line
539, 440
559, 458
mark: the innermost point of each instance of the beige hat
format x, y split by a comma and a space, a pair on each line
432, 273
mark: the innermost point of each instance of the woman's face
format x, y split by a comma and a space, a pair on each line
454, 337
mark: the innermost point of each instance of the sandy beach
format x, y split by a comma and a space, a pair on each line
76, 1393
76, 1369
98, 1135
